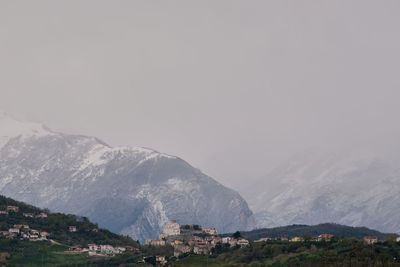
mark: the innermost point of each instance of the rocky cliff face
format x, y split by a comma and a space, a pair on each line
132, 191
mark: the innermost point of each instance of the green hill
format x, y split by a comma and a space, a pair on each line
30, 236
57, 225
314, 230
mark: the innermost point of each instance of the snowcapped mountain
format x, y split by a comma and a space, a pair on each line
354, 189
129, 190
11, 128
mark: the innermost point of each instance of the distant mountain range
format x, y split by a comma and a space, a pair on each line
128, 190
357, 189
135, 191
291, 231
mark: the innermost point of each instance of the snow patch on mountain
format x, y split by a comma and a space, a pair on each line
130, 190
11, 128
352, 189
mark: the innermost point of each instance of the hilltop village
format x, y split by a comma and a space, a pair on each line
193, 238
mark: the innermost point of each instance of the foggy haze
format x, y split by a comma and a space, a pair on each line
232, 87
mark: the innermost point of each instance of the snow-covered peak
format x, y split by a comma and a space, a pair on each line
10, 128
100, 154
151, 152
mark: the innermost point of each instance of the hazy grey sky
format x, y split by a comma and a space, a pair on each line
230, 86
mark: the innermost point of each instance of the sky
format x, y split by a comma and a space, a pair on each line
233, 87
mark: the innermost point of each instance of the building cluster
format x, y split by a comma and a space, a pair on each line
102, 250
16, 209
323, 237
319, 238
192, 238
370, 239
23, 231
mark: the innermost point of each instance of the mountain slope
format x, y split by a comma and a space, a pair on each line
356, 189
133, 191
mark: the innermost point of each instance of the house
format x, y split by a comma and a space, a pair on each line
176, 242
209, 231
107, 249
44, 234
42, 215
13, 208
370, 239
75, 248
30, 215
3, 212
35, 232
233, 242
195, 240
171, 229
215, 240
181, 249
155, 242
226, 240
296, 239
93, 247
325, 237
130, 248
200, 249
120, 249
72, 228
243, 242
161, 259
398, 239
19, 226
4, 233
13, 230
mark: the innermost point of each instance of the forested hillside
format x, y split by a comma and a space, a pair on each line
314, 230
57, 225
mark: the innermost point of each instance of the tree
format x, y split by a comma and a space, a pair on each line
151, 260
307, 237
237, 234
391, 239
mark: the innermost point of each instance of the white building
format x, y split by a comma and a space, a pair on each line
243, 242
370, 239
107, 249
93, 247
155, 242
210, 231
172, 228
226, 240
13, 230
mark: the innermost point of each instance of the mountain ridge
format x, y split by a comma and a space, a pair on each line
82, 174
353, 189
299, 230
